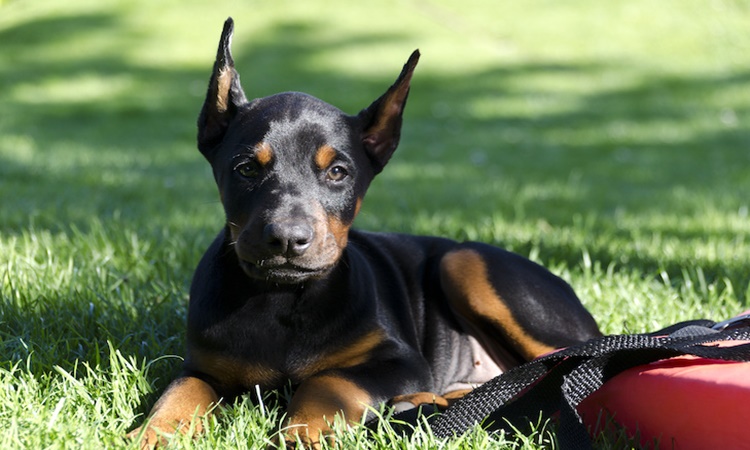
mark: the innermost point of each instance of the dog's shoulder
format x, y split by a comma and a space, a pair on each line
401, 251
400, 243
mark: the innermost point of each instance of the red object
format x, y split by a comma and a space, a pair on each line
684, 403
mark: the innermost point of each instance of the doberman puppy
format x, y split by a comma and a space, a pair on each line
288, 292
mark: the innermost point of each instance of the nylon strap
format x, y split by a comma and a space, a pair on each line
562, 380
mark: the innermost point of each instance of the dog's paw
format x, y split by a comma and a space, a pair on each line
291, 444
147, 437
406, 402
157, 434
299, 439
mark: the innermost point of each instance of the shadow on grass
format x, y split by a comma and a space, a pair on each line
143, 131
124, 149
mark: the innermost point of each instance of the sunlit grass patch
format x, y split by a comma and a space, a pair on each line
607, 141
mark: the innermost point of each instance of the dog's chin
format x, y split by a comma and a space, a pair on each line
283, 273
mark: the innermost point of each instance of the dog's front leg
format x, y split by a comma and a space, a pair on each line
185, 399
317, 402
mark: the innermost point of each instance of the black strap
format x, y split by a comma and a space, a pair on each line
562, 380
592, 374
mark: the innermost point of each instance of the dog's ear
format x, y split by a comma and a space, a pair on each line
382, 119
224, 95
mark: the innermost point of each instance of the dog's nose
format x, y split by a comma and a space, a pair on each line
290, 238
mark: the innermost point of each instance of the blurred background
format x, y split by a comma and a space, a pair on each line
614, 132
609, 141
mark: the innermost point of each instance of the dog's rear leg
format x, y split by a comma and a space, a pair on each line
471, 285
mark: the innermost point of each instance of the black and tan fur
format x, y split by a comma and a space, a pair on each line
288, 292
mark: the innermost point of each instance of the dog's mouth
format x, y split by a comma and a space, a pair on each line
282, 272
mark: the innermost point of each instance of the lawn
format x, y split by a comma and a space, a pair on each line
610, 141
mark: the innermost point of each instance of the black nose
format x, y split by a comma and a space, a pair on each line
289, 238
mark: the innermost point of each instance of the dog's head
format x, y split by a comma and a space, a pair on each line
291, 169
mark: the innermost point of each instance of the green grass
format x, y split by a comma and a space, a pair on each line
608, 140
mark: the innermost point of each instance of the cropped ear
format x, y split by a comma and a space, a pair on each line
223, 98
381, 120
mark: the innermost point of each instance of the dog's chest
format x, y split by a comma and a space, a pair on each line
268, 343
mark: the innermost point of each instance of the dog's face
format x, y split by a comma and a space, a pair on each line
292, 170
291, 175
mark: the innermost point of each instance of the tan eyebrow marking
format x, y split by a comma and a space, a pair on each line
324, 156
263, 153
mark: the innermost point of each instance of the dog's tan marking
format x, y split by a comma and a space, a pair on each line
429, 398
421, 398
324, 156
318, 401
391, 107
184, 399
233, 372
382, 135
356, 353
332, 233
358, 206
463, 274
453, 396
223, 85
338, 229
263, 153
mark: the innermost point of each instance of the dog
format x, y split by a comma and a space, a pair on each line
288, 292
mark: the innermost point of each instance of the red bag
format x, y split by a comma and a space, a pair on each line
682, 403
687, 387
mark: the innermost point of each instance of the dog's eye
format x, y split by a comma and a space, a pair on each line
336, 173
247, 169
